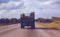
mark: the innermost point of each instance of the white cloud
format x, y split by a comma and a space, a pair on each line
48, 2
9, 5
41, 7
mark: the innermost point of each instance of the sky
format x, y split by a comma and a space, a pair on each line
42, 8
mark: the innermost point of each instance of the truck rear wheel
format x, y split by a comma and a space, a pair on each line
22, 26
33, 27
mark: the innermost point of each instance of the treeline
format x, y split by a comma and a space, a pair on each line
42, 20
6, 21
53, 19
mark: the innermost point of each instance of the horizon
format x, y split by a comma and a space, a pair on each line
35, 18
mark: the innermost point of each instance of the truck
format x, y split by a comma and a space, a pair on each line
28, 21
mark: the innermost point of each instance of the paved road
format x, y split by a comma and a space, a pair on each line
16, 31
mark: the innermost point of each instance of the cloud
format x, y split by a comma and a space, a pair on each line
4, 1
11, 5
42, 8
42, 0
57, 2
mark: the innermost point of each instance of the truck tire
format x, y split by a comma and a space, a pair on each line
22, 26
32, 26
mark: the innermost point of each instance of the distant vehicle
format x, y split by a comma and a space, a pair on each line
28, 20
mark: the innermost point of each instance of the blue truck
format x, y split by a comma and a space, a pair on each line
28, 20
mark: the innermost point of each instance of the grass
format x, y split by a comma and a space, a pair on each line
51, 25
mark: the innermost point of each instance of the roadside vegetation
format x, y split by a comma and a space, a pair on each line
51, 25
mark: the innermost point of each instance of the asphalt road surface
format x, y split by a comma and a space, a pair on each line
15, 31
